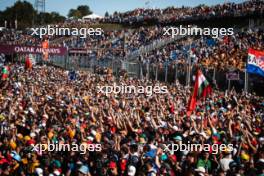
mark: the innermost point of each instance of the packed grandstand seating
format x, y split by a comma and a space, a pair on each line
227, 51
172, 14
44, 104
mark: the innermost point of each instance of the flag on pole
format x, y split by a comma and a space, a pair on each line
5, 72
28, 63
201, 89
255, 62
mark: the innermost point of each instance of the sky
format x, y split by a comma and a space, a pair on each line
99, 7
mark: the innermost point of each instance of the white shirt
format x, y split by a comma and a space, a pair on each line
224, 163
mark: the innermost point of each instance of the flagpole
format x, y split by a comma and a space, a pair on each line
229, 85
214, 77
147, 70
156, 74
176, 72
188, 66
246, 80
166, 71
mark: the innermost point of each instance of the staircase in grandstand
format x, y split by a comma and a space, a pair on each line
155, 45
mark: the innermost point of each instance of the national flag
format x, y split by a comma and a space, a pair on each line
201, 89
255, 62
28, 63
5, 72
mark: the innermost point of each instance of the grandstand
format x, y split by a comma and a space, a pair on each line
55, 90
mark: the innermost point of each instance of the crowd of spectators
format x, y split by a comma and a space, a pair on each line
112, 43
221, 53
174, 14
49, 105
42, 106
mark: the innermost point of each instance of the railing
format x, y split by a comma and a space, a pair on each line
155, 45
164, 72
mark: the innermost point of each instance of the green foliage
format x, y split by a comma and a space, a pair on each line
26, 16
84, 10
23, 12
81, 11
106, 14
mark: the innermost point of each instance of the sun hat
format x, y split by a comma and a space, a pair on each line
15, 156
26, 138
178, 138
56, 172
200, 170
32, 135
39, 171
245, 156
84, 169
19, 136
164, 157
56, 163
131, 170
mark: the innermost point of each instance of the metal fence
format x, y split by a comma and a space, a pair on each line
165, 72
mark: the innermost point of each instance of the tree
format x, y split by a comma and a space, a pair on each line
74, 13
71, 13
84, 10
106, 14
56, 17
115, 13
24, 13
81, 11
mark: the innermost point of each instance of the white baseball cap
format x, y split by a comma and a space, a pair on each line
131, 170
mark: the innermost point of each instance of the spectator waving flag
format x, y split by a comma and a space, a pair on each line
201, 89
255, 62
28, 63
5, 72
